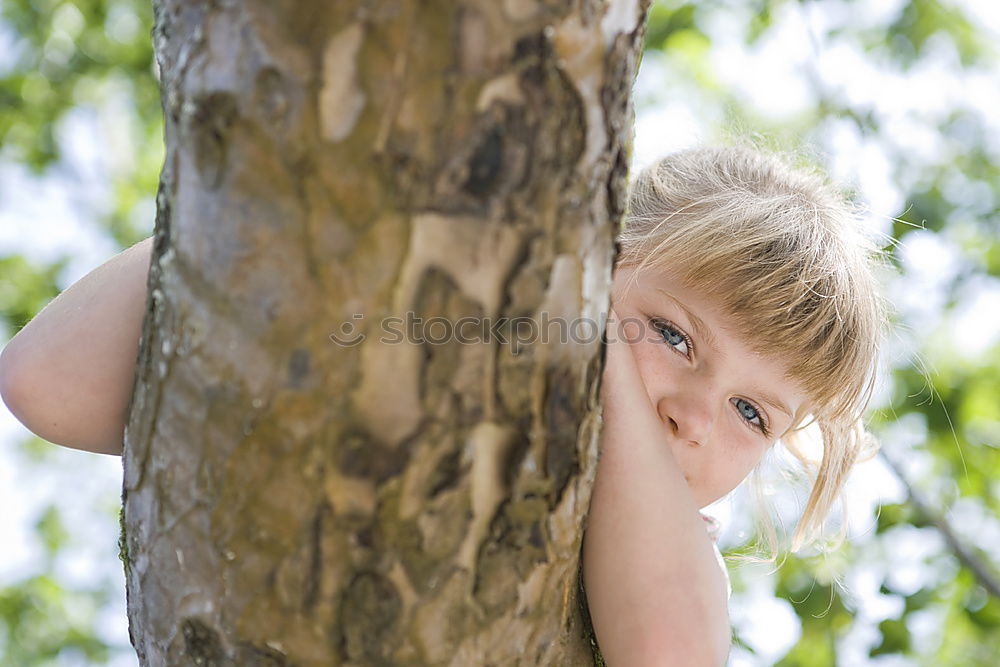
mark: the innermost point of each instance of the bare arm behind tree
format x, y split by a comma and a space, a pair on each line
68, 374
656, 593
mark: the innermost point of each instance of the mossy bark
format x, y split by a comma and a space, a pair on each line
292, 500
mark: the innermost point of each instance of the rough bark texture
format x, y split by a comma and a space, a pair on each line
292, 501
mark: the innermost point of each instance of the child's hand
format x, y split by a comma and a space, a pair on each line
623, 391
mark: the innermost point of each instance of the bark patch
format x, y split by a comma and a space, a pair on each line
516, 546
561, 408
359, 454
261, 656
368, 615
446, 474
298, 367
314, 575
209, 128
440, 304
273, 97
201, 644
485, 164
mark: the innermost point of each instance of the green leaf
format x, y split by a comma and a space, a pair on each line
50, 529
895, 637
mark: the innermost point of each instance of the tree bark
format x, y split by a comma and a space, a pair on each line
295, 500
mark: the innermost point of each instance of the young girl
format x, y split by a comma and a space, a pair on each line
744, 308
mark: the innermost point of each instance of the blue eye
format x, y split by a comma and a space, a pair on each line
749, 412
673, 336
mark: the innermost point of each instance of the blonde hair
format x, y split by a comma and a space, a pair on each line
785, 255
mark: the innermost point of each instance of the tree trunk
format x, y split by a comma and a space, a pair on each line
308, 482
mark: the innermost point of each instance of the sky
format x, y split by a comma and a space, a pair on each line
45, 218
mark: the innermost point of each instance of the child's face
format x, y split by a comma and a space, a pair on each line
721, 405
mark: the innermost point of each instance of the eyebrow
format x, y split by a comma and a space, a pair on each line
706, 333
774, 402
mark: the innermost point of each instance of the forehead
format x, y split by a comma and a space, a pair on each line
662, 286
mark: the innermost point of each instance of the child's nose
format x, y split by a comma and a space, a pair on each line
690, 418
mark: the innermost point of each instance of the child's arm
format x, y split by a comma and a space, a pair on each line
68, 374
654, 587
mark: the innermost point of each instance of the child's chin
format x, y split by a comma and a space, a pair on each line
702, 501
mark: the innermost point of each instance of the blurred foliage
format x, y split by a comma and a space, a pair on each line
65, 55
68, 56
25, 288
44, 621
78, 56
921, 20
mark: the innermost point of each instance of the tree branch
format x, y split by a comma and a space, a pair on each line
964, 554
